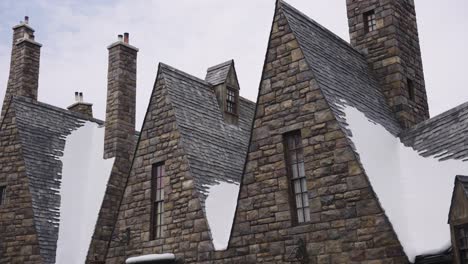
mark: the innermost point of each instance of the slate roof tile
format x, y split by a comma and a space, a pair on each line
42, 130
216, 150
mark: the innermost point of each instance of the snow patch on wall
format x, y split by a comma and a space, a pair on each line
414, 191
148, 258
220, 207
84, 179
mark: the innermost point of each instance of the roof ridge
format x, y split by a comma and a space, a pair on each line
182, 73
437, 117
215, 67
342, 41
56, 108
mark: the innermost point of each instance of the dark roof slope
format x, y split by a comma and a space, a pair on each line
443, 136
342, 72
42, 130
218, 73
216, 150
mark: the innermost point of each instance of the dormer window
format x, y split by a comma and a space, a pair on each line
370, 23
231, 101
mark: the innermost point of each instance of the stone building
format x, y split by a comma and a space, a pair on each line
338, 160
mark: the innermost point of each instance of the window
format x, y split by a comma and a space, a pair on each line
369, 21
461, 236
2, 194
157, 218
410, 87
296, 173
231, 101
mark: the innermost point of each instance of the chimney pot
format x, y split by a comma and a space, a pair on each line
126, 38
120, 37
76, 97
26, 19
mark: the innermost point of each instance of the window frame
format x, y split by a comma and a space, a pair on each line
158, 173
2, 194
460, 249
234, 104
370, 21
304, 207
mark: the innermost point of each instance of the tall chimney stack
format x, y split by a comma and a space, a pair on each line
119, 138
24, 65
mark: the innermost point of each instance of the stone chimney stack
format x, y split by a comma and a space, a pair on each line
24, 65
80, 106
386, 33
119, 138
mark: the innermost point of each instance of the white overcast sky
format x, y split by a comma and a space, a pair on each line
193, 35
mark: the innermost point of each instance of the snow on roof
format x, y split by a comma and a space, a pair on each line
149, 258
220, 207
84, 179
414, 191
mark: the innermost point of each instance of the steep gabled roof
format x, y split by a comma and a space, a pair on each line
421, 172
216, 150
342, 72
43, 131
218, 73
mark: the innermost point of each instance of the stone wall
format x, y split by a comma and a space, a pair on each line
186, 230
393, 52
347, 223
18, 239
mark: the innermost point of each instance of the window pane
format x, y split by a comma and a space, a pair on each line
307, 214
292, 157
300, 216
2, 194
297, 187
295, 173
305, 200
299, 200
303, 185
301, 169
291, 143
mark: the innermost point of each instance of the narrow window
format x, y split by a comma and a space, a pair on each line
231, 101
296, 173
369, 21
410, 86
158, 201
2, 194
461, 235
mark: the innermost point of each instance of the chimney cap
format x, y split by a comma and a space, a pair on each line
126, 38
123, 40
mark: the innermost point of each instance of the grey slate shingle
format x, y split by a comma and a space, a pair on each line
443, 136
217, 74
216, 150
42, 130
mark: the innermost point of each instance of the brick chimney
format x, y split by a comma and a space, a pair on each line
81, 107
24, 65
121, 99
